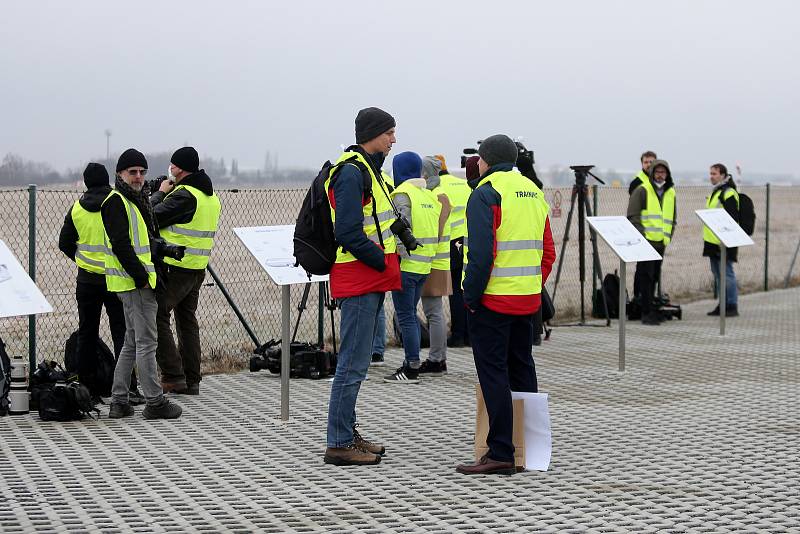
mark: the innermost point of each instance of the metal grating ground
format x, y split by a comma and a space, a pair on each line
701, 434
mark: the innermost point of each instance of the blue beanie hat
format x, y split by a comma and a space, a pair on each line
406, 165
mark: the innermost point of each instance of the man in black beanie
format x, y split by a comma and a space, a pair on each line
131, 273
82, 240
506, 262
186, 211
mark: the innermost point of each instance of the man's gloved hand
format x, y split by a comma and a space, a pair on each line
166, 185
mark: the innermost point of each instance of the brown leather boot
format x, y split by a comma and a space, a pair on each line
369, 446
487, 466
351, 455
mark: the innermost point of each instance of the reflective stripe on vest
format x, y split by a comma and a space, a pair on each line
117, 279
658, 217
382, 206
425, 211
714, 202
457, 191
519, 240
198, 234
91, 253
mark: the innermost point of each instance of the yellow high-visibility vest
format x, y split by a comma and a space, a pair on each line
198, 234
425, 211
658, 219
91, 253
714, 202
458, 192
519, 240
117, 278
383, 210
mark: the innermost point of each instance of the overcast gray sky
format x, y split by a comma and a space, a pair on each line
597, 82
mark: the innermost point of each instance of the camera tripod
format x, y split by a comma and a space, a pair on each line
580, 196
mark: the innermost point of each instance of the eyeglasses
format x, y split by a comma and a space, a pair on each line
134, 172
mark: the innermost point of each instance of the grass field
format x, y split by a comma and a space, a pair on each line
686, 274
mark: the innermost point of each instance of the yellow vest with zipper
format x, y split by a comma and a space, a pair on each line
425, 211
715, 202
458, 192
117, 278
658, 218
198, 234
519, 240
91, 253
383, 209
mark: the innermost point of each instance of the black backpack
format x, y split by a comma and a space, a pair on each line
104, 373
66, 402
747, 214
607, 295
314, 242
5, 378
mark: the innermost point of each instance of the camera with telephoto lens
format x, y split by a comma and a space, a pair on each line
523, 154
161, 249
402, 229
155, 183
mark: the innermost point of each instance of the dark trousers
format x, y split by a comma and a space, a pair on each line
180, 293
458, 315
502, 348
91, 298
647, 274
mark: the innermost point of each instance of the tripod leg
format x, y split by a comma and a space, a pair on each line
598, 268
564, 243
300, 308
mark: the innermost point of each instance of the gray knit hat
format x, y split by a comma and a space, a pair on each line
498, 149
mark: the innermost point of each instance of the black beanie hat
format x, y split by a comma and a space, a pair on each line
498, 149
131, 158
95, 175
372, 122
186, 158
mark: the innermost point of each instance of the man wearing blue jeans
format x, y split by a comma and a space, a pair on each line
420, 207
366, 267
724, 195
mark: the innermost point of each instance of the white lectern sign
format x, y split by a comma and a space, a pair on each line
624, 239
630, 246
18, 294
730, 235
273, 248
724, 227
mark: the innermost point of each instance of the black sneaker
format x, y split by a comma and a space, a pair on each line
444, 367
119, 410
431, 368
135, 397
377, 360
731, 311
403, 375
165, 410
715, 312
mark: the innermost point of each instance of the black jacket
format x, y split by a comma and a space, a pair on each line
115, 220
180, 206
91, 200
709, 249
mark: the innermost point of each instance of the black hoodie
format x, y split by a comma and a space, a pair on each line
91, 201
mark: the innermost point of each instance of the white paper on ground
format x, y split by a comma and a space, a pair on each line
538, 439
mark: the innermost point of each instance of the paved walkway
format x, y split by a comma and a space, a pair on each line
701, 434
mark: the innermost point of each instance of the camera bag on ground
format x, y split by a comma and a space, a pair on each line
65, 401
5, 378
314, 241
100, 383
47, 374
608, 293
306, 360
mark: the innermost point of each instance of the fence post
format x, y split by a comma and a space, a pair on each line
766, 246
32, 274
594, 260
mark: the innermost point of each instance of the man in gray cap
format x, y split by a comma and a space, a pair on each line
508, 255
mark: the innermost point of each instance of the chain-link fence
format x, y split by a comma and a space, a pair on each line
226, 345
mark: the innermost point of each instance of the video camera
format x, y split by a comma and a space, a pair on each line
523, 154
